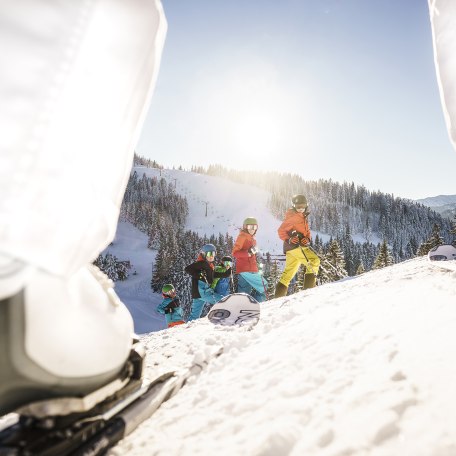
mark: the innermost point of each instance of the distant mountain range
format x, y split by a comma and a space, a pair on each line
443, 204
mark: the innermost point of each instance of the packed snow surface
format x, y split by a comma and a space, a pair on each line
364, 366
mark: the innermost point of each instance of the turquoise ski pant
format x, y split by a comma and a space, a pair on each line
249, 280
208, 295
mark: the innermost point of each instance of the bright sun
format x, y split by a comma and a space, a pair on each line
256, 133
249, 118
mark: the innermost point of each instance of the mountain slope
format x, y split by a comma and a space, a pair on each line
228, 204
361, 366
436, 201
443, 204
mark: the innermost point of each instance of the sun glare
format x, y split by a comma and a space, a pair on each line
251, 117
256, 133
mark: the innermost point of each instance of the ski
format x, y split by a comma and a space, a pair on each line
93, 433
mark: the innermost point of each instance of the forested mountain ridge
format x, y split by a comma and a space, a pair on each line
443, 204
340, 209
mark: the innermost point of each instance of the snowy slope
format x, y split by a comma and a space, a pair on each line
130, 244
228, 204
359, 367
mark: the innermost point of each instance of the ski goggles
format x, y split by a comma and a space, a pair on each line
210, 254
251, 227
228, 263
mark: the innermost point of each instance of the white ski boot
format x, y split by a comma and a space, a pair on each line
64, 342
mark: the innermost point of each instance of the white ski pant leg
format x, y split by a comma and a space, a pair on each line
75, 82
76, 78
443, 21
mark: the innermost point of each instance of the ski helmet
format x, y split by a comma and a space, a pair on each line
168, 289
208, 249
298, 199
227, 259
250, 221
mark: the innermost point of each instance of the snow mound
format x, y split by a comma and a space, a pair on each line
361, 366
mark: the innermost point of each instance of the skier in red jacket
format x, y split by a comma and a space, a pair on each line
245, 250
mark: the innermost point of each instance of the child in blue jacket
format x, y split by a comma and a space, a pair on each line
170, 306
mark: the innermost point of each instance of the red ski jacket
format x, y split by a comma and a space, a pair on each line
244, 262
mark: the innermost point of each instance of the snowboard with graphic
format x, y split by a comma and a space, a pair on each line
235, 309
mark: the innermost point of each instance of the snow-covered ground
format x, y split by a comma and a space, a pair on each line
364, 366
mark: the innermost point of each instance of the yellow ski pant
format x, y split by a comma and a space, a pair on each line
294, 258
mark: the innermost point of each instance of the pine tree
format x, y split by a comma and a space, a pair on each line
334, 262
453, 230
273, 278
113, 267
360, 270
384, 257
300, 277
424, 248
434, 241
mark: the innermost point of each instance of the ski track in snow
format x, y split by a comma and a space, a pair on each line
364, 366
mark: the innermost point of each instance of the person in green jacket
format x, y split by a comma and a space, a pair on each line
222, 285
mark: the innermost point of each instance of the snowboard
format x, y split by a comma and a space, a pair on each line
443, 256
235, 309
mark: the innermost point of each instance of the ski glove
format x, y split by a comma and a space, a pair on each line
305, 240
203, 276
171, 306
293, 240
253, 250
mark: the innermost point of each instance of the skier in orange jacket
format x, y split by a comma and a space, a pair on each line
295, 233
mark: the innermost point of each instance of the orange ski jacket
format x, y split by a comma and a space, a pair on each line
293, 221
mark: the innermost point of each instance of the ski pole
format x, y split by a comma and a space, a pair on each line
334, 269
308, 262
232, 280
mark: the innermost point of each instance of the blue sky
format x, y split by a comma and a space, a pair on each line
326, 89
